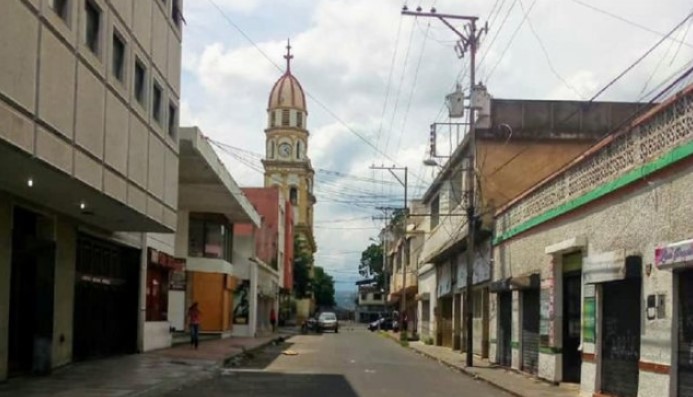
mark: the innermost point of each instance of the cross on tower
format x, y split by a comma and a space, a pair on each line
288, 55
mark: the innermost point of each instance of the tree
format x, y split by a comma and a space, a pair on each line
303, 260
372, 264
323, 288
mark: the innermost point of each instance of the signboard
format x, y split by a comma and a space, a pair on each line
177, 281
589, 320
604, 267
481, 268
241, 303
672, 254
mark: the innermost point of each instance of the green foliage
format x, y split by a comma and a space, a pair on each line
371, 264
303, 261
323, 287
428, 340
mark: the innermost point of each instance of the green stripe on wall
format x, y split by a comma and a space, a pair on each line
674, 156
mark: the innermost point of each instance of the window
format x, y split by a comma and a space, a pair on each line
140, 77
377, 297
118, 57
61, 8
172, 120
299, 119
93, 26
435, 212
364, 297
293, 196
273, 119
271, 155
298, 150
456, 193
156, 103
286, 116
157, 293
176, 13
210, 236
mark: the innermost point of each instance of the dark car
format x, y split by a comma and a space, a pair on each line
385, 324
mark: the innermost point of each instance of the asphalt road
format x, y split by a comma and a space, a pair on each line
353, 363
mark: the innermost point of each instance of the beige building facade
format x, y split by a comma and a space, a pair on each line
592, 267
88, 143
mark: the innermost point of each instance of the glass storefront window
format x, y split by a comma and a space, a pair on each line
210, 236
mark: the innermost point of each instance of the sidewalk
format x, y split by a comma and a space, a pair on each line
511, 381
140, 375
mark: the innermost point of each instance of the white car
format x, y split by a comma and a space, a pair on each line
328, 321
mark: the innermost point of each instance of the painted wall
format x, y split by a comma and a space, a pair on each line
99, 134
427, 285
244, 269
636, 220
156, 335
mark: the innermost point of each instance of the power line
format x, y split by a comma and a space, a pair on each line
546, 54
512, 38
308, 93
632, 23
389, 80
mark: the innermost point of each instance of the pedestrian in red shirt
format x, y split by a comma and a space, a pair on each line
273, 320
194, 322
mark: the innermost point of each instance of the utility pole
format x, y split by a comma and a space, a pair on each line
468, 43
405, 260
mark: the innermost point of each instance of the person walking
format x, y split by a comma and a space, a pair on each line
273, 320
194, 322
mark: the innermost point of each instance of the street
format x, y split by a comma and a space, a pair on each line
353, 363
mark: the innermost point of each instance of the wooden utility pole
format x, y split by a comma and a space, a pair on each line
468, 43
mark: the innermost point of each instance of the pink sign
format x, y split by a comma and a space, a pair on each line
672, 254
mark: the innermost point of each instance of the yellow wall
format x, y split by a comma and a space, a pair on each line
208, 292
509, 169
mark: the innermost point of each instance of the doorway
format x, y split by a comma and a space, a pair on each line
505, 319
106, 298
621, 337
572, 297
530, 331
445, 323
31, 294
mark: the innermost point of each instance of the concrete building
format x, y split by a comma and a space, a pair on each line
517, 144
88, 125
371, 304
210, 204
272, 238
595, 264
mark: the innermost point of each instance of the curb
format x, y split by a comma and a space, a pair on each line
458, 369
207, 372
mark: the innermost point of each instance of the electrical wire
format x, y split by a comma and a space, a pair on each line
510, 42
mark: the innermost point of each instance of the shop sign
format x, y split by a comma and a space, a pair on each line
604, 267
672, 254
178, 281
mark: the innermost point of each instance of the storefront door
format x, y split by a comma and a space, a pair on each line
106, 297
445, 324
621, 337
530, 331
685, 334
505, 319
572, 298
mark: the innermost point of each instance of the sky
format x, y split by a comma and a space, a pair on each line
376, 80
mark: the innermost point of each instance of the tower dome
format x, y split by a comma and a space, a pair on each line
287, 92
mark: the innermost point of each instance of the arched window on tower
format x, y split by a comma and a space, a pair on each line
293, 195
299, 119
286, 117
273, 118
298, 150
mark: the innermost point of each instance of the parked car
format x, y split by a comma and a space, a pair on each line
385, 324
328, 321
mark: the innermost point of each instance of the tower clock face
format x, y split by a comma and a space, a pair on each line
285, 150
